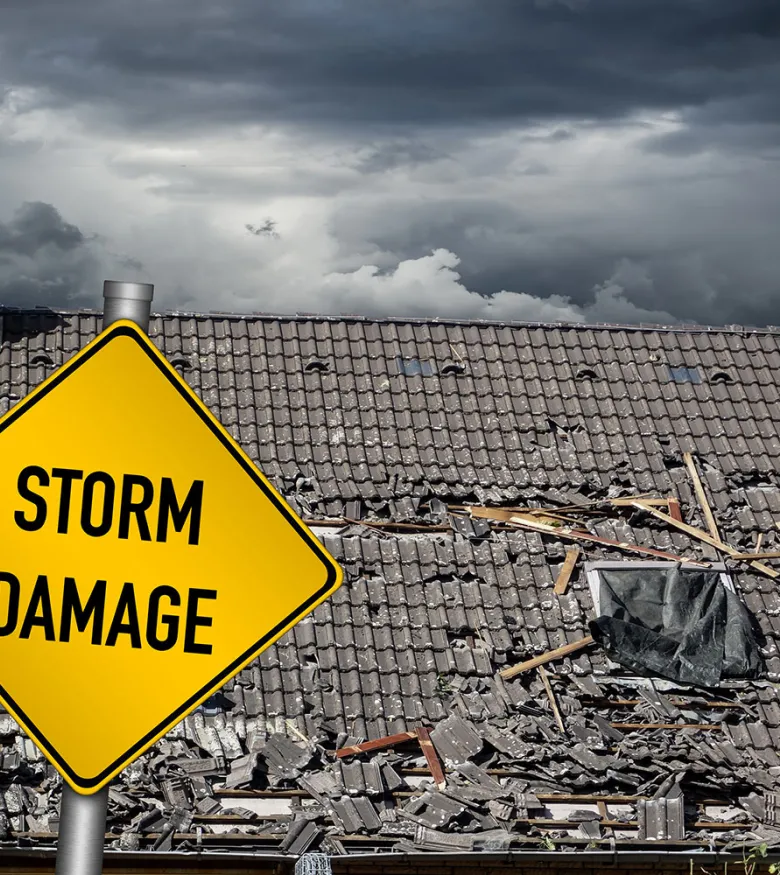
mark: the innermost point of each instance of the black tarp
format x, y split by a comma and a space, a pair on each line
676, 622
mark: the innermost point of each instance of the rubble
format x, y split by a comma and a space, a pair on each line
448, 696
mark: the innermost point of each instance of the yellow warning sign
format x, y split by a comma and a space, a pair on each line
145, 560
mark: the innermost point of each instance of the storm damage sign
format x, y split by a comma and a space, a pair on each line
144, 560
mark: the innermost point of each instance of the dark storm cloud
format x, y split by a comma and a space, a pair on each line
36, 225
45, 261
416, 89
381, 64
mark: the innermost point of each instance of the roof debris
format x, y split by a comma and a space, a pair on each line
450, 502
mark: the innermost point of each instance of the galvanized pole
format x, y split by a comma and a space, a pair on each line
83, 818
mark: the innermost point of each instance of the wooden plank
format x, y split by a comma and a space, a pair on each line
544, 658
562, 583
680, 703
503, 515
674, 509
707, 539
701, 496
665, 725
578, 535
626, 502
749, 557
551, 696
377, 744
431, 757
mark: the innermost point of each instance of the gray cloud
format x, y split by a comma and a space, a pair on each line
45, 260
593, 158
381, 64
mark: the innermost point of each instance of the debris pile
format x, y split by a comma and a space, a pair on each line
577, 761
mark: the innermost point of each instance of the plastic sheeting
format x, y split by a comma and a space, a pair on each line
676, 622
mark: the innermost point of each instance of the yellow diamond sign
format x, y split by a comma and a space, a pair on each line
144, 560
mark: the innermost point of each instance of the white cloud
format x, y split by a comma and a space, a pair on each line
431, 284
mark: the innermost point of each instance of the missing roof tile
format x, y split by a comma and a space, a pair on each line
586, 374
451, 368
316, 366
661, 619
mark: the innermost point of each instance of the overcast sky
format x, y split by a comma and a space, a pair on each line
577, 160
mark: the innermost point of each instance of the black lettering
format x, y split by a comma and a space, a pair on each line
169, 508
125, 605
38, 501
40, 600
87, 501
67, 475
12, 616
194, 620
169, 620
128, 506
72, 609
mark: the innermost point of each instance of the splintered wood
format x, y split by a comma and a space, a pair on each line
377, 744
577, 535
705, 538
674, 509
562, 583
701, 496
431, 757
551, 696
544, 658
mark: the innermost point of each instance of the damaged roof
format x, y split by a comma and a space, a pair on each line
394, 439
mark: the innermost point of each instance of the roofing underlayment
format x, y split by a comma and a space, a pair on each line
451, 468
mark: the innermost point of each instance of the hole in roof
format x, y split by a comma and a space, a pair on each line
181, 363
41, 358
684, 374
453, 368
587, 374
316, 366
414, 367
721, 377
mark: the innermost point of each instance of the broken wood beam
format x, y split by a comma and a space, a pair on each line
544, 658
579, 535
431, 757
708, 726
376, 744
701, 496
562, 583
500, 514
626, 502
679, 703
705, 538
674, 509
551, 696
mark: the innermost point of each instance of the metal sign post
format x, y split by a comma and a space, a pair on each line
83, 818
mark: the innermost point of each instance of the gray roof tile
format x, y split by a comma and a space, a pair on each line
422, 612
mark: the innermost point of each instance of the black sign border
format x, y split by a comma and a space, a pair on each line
131, 331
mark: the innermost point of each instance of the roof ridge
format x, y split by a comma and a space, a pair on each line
678, 328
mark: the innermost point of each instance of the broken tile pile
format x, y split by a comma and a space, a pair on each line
406, 474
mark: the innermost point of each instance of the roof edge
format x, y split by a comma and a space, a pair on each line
678, 328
